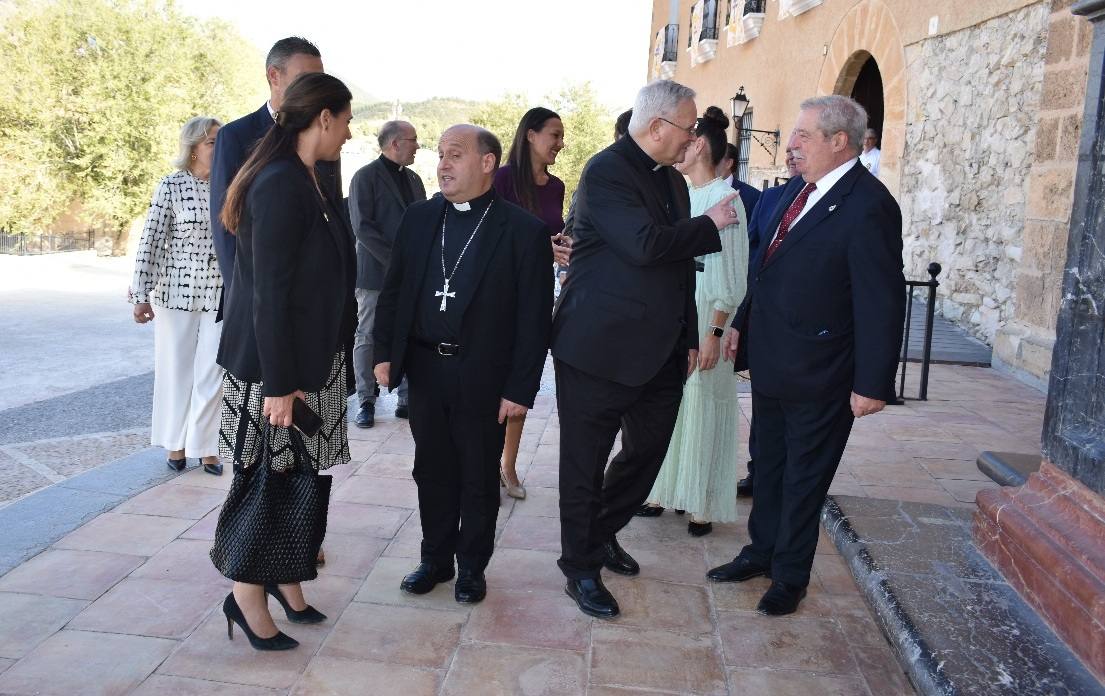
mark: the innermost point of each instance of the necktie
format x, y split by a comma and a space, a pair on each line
788, 218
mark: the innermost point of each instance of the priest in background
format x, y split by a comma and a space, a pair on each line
464, 314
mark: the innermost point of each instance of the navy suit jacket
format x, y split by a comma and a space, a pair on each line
749, 195
823, 316
233, 143
760, 217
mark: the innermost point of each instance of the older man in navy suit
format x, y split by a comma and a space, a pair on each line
821, 326
287, 59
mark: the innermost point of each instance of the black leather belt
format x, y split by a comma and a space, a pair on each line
446, 349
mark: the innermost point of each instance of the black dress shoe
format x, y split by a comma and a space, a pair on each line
649, 511
593, 598
402, 411
366, 415
679, 512
471, 586
737, 570
699, 528
425, 577
744, 487
176, 464
616, 559
780, 599
215, 469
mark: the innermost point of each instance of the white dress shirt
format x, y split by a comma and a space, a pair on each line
870, 159
823, 186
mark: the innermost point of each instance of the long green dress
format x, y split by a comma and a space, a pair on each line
699, 473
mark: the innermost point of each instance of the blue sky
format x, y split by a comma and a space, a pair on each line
476, 49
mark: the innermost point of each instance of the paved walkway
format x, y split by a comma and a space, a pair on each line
129, 602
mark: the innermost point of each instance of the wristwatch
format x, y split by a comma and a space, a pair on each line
717, 331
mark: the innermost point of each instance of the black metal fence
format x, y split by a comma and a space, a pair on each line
671, 43
34, 244
926, 349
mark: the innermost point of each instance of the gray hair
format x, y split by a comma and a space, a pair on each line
285, 48
390, 131
871, 132
657, 99
194, 132
840, 114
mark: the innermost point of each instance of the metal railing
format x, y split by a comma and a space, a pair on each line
671, 43
930, 313
22, 244
709, 21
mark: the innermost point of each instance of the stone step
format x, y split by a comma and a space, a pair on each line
1008, 468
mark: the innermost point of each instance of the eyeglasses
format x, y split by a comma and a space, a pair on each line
689, 130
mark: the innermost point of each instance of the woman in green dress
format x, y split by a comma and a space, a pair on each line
699, 473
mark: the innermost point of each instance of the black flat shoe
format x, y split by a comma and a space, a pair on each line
617, 560
402, 412
425, 577
176, 464
780, 599
737, 570
680, 512
649, 511
310, 615
699, 528
592, 598
471, 587
744, 487
366, 416
215, 469
234, 615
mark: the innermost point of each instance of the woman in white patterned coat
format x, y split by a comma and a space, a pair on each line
177, 281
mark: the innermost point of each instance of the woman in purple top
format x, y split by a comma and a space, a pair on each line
525, 180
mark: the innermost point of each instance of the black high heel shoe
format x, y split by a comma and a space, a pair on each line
310, 615
234, 615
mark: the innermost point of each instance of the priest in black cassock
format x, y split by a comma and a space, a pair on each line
464, 314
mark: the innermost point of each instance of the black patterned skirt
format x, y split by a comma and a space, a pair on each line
242, 418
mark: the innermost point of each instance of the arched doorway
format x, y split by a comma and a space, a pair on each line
868, 92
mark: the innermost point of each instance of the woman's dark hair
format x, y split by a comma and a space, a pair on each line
520, 159
734, 156
621, 126
306, 97
712, 126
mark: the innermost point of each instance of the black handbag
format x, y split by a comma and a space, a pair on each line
272, 524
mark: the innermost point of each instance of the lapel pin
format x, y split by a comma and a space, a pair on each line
832, 208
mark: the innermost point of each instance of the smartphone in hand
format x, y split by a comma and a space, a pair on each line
304, 419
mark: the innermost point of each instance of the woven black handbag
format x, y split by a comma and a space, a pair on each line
272, 523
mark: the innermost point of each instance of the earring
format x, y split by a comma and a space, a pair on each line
193, 158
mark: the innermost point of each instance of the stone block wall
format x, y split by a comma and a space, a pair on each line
970, 144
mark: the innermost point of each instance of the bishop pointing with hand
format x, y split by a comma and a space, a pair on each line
464, 314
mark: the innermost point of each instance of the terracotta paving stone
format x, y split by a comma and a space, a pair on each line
371, 520
881, 671
525, 618
397, 445
196, 476
207, 654
401, 635
523, 569
397, 466
160, 685
682, 561
834, 575
654, 659
503, 670
373, 490
189, 502
400, 549
541, 502
965, 491
748, 682
139, 535
958, 469
534, 533
27, 620
108, 664
744, 596
360, 450
205, 527
5, 663
857, 622
619, 691
909, 476
331, 676
73, 574
809, 644
184, 560
382, 587
157, 608
913, 495
661, 605
350, 555
542, 475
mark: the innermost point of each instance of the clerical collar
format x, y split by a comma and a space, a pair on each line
393, 166
477, 204
642, 156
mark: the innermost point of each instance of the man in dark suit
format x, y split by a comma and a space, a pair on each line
728, 168
286, 60
625, 334
821, 327
759, 220
378, 195
464, 314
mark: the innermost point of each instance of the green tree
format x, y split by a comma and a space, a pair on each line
94, 101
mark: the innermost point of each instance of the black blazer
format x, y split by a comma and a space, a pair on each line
505, 326
824, 315
233, 144
375, 210
298, 267
629, 303
762, 214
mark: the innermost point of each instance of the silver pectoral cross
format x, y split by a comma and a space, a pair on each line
444, 294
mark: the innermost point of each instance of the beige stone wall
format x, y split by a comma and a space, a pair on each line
969, 138
1024, 344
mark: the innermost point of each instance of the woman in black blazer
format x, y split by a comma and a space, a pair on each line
288, 323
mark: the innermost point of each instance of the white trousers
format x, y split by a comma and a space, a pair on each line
187, 382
